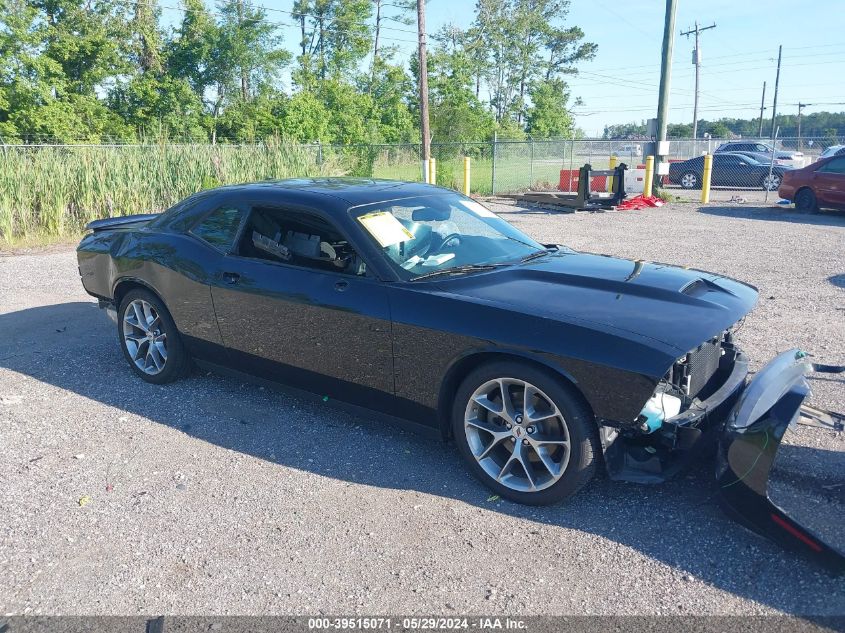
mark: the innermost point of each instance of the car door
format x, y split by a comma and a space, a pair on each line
720, 175
829, 182
736, 172
304, 323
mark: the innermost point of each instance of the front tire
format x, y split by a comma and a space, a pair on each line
690, 180
149, 339
524, 433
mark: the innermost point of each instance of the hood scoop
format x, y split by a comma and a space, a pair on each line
698, 288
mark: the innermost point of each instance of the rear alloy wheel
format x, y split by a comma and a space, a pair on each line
524, 434
689, 180
805, 201
149, 338
771, 182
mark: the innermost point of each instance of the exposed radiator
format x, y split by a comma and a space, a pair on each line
692, 372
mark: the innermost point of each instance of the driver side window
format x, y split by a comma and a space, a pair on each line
299, 239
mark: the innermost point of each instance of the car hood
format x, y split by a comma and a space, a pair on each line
678, 307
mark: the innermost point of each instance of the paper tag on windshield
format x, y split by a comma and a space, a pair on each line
387, 230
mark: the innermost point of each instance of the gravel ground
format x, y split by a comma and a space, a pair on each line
209, 497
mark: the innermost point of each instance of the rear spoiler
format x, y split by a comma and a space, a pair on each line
112, 223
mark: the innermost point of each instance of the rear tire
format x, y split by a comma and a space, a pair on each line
537, 453
805, 201
149, 339
770, 183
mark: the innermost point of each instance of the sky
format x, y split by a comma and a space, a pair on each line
621, 84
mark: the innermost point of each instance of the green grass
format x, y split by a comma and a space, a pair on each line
55, 191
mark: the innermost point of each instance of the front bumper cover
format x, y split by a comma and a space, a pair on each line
747, 447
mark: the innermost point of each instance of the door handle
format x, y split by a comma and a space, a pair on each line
231, 278
340, 286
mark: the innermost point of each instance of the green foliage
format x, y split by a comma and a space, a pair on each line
304, 118
456, 113
518, 42
547, 117
824, 124
99, 70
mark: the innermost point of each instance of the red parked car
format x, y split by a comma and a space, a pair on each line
821, 184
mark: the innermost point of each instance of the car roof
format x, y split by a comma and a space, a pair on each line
354, 191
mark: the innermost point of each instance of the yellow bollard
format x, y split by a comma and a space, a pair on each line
425, 170
705, 178
610, 178
466, 175
648, 179
432, 171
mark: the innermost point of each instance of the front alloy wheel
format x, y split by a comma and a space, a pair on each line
689, 181
525, 432
517, 434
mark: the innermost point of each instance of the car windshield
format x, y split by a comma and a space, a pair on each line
444, 232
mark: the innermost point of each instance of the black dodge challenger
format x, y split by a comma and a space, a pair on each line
542, 363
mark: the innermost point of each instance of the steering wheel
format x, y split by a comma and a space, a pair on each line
449, 237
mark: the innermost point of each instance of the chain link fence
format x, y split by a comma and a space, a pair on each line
742, 169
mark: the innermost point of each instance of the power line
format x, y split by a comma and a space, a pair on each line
747, 60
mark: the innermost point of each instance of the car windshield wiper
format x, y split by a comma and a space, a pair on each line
538, 254
457, 270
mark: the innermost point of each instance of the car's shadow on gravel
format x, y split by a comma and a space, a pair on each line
73, 346
774, 214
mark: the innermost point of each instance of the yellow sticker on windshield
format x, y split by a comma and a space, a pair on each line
383, 226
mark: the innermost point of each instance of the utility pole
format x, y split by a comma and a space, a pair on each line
801, 106
762, 108
665, 79
424, 130
775, 104
696, 59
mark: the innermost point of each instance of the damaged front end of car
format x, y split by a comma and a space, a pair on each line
705, 403
767, 407
682, 419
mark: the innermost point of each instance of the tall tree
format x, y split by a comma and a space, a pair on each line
147, 37
251, 47
525, 41
336, 37
547, 116
55, 56
396, 11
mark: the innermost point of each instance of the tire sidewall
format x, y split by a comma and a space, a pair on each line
580, 424
176, 359
811, 204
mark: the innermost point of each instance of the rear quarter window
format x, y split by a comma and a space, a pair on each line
220, 227
836, 166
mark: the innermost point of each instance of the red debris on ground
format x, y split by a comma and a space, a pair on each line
640, 202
